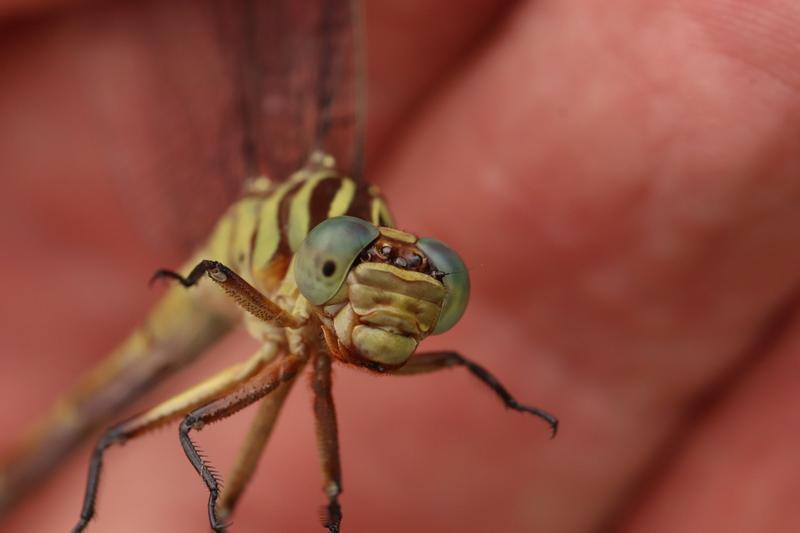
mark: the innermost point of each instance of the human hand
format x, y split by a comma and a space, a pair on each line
623, 184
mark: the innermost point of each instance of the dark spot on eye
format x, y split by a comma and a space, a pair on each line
328, 268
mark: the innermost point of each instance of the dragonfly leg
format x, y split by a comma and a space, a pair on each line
255, 441
327, 439
432, 361
248, 297
168, 411
245, 393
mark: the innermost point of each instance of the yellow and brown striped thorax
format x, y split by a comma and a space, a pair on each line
261, 232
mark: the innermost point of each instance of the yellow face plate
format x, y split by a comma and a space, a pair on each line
397, 235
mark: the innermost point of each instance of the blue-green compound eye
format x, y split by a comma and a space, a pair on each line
323, 260
456, 281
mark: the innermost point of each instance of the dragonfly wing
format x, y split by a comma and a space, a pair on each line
241, 89
297, 82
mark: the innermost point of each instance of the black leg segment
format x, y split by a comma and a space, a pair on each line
113, 436
429, 362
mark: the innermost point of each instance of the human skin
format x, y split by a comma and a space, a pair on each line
623, 181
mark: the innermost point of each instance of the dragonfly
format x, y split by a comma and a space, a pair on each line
305, 255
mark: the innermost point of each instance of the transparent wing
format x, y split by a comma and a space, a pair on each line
240, 89
296, 80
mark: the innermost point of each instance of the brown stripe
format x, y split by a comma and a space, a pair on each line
321, 198
283, 219
361, 206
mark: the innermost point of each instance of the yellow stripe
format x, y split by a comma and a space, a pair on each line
299, 215
342, 198
218, 245
247, 212
269, 233
380, 212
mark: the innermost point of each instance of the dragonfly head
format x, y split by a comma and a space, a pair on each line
380, 290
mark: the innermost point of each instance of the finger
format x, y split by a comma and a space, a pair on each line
615, 229
734, 469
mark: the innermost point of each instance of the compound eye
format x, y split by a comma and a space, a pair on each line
455, 280
327, 253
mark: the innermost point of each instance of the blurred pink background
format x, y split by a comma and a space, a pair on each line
634, 263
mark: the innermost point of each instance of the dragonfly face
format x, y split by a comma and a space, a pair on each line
379, 291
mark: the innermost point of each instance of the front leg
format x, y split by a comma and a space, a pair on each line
250, 452
172, 409
432, 361
327, 439
248, 297
280, 371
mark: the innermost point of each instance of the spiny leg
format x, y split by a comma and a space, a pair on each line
327, 439
250, 453
271, 377
172, 409
248, 297
432, 361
